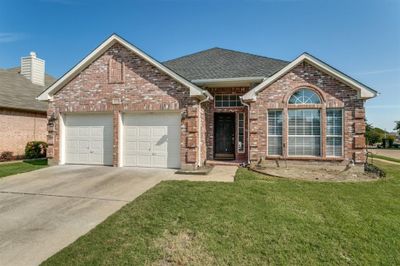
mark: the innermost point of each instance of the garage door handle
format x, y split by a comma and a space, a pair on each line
91, 151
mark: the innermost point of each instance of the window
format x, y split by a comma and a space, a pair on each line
304, 132
334, 132
304, 96
274, 132
241, 146
227, 100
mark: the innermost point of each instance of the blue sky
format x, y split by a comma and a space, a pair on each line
359, 37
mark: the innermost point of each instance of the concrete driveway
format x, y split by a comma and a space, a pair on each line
43, 211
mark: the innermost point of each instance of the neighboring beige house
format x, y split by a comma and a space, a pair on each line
121, 107
22, 117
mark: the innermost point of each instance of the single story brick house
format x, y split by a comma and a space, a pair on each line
22, 117
121, 107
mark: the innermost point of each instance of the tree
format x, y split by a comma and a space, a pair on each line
397, 127
373, 134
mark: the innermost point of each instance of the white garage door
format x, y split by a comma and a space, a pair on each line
152, 140
89, 139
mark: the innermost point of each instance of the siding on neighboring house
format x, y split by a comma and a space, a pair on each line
19, 127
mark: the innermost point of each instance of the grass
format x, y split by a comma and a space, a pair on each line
21, 167
256, 220
385, 158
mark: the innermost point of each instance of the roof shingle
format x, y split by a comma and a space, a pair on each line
18, 92
218, 63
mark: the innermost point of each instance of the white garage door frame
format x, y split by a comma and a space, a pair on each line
63, 118
133, 120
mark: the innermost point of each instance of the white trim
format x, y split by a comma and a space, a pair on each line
364, 91
121, 129
244, 132
47, 94
62, 139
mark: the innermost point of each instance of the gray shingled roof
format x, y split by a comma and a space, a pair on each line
18, 92
217, 63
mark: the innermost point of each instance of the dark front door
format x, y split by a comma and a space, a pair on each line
224, 124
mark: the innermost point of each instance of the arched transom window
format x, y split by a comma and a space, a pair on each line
304, 96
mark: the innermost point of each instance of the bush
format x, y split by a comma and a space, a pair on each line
35, 150
370, 168
6, 156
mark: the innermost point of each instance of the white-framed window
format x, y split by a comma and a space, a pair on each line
304, 96
241, 123
304, 132
227, 100
334, 132
275, 132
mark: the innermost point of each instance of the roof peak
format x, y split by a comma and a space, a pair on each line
227, 50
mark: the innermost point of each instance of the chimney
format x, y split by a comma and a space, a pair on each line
32, 68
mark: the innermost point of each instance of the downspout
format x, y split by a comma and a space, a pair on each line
248, 128
199, 129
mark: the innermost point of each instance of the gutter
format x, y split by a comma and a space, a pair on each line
208, 97
227, 80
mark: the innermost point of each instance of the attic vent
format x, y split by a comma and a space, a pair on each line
115, 71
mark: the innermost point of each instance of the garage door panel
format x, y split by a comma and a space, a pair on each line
132, 132
88, 139
144, 146
144, 160
144, 132
152, 140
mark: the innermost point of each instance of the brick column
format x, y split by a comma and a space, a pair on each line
116, 130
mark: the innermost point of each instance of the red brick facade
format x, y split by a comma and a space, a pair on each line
120, 81
333, 93
143, 88
19, 127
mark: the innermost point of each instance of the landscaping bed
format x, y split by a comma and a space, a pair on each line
256, 220
316, 172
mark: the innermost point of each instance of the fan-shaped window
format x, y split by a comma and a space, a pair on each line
304, 96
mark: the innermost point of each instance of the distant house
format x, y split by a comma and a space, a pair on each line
22, 117
119, 106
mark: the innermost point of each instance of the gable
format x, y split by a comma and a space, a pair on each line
120, 77
364, 92
47, 94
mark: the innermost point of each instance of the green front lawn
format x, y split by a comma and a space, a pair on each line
21, 167
256, 220
385, 158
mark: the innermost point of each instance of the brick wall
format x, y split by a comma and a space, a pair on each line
141, 88
19, 127
334, 93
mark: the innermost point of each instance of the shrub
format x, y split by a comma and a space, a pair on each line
35, 150
6, 156
370, 168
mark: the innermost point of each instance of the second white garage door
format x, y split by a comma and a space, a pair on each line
152, 140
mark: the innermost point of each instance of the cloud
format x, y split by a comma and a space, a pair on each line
10, 37
378, 71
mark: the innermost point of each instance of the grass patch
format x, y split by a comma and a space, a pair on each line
384, 158
21, 167
256, 220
